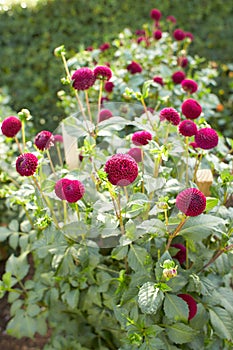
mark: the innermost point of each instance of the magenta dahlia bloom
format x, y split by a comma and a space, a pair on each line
178, 77
102, 73
104, 46
191, 202
89, 48
171, 19
105, 114
141, 138
179, 34
158, 80
11, 126
44, 140
189, 85
121, 169
83, 78
155, 14
140, 32
157, 34
69, 190
26, 164
170, 114
58, 138
187, 128
191, 108
183, 62
136, 153
181, 254
189, 35
108, 86
192, 304
134, 67
206, 138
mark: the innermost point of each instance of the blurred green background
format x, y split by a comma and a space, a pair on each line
29, 35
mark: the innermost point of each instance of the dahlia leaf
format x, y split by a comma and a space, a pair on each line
221, 322
179, 333
211, 202
175, 308
139, 259
150, 298
18, 266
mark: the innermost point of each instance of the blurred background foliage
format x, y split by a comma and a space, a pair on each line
29, 35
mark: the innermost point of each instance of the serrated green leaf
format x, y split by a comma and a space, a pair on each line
200, 227
175, 308
119, 253
150, 298
72, 298
21, 325
47, 186
4, 233
18, 266
33, 310
221, 322
14, 225
179, 333
139, 259
13, 240
211, 202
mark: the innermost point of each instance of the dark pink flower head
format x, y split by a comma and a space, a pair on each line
142, 39
157, 34
108, 86
187, 128
104, 46
44, 140
134, 67
206, 138
179, 34
58, 138
105, 114
141, 138
69, 190
189, 35
191, 202
26, 164
192, 304
193, 145
183, 62
170, 114
189, 85
11, 126
155, 14
121, 169
89, 48
181, 254
171, 19
102, 73
178, 77
83, 78
158, 80
140, 32
136, 153
191, 108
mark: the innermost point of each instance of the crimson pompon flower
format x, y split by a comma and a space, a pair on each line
178, 77
58, 138
171, 19
44, 140
179, 34
183, 62
191, 202
136, 153
155, 14
141, 138
192, 304
108, 86
189, 85
104, 115
206, 138
104, 46
121, 169
191, 108
11, 126
102, 73
69, 190
158, 80
170, 114
189, 35
83, 78
181, 253
134, 67
157, 34
26, 164
187, 128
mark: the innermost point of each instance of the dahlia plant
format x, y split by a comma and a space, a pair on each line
128, 237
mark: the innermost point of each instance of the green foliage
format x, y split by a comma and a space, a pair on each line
105, 273
30, 35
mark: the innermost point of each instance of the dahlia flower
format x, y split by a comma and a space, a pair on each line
26, 164
191, 202
11, 126
121, 169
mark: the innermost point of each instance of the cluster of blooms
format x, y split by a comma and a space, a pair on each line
84, 78
69, 190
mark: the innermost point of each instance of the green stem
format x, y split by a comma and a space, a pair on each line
99, 99
147, 114
18, 145
23, 134
175, 233
198, 161
187, 158
51, 162
88, 106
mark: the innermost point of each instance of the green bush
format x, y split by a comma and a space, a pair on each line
29, 36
